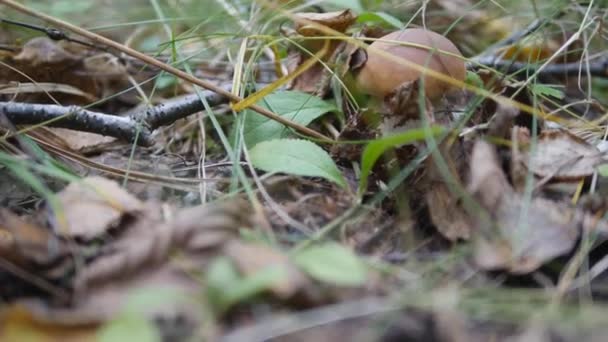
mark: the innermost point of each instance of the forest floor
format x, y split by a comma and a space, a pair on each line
285, 171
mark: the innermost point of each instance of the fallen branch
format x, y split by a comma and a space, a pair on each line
135, 128
598, 68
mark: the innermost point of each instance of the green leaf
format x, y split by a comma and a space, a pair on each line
473, 79
379, 18
296, 157
332, 263
129, 327
376, 148
547, 90
296, 106
603, 170
226, 287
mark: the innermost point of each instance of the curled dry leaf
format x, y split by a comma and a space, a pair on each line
514, 232
93, 206
315, 80
338, 20
562, 156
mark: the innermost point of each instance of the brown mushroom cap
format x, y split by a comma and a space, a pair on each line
380, 75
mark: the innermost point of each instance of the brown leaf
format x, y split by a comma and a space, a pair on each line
562, 156
79, 70
316, 79
338, 20
81, 141
139, 261
150, 241
445, 205
23, 242
41, 50
487, 180
447, 214
251, 259
513, 231
92, 206
101, 302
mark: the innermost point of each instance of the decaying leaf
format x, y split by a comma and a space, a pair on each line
23, 243
132, 260
315, 80
93, 206
447, 214
43, 51
15, 88
83, 142
562, 156
401, 109
515, 232
251, 259
149, 241
445, 205
339, 21
78, 74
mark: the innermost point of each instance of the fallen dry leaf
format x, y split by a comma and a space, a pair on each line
93, 206
44, 60
562, 156
252, 258
515, 232
23, 242
42, 50
150, 241
156, 253
78, 73
82, 142
444, 204
316, 79
338, 20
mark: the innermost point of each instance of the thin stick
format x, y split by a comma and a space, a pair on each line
597, 68
77, 118
121, 127
152, 61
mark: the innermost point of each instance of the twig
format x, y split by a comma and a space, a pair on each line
171, 111
77, 118
124, 128
163, 66
598, 68
52, 33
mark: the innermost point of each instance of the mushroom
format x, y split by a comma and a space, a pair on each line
380, 75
